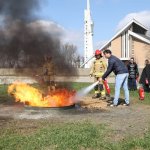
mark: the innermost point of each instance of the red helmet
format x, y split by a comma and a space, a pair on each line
98, 52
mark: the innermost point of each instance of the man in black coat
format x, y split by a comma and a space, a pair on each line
133, 74
145, 78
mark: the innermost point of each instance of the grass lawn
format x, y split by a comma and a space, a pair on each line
82, 135
68, 136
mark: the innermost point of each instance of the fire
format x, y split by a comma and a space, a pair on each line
34, 97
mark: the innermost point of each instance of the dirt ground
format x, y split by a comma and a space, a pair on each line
133, 120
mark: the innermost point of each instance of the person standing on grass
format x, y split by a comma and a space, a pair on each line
145, 77
133, 74
118, 67
146, 62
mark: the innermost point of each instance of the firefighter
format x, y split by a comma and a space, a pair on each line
48, 72
97, 70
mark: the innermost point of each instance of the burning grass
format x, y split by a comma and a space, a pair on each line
77, 86
34, 97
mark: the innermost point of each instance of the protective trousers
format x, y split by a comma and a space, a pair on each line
99, 88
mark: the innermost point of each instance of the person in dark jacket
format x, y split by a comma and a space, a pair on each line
145, 77
146, 62
133, 74
120, 70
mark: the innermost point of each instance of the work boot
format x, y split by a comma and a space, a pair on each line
96, 96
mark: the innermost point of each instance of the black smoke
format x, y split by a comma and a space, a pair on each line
19, 9
22, 46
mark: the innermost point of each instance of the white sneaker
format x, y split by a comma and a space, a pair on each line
126, 104
112, 105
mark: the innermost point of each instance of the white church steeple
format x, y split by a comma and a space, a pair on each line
88, 35
88, 5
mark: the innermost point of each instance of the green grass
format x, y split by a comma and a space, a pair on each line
4, 97
69, 136
135, 143
3, 90
79, 86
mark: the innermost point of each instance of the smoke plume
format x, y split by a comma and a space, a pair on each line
22, 45
19, 9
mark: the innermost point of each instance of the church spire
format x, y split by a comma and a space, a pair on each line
88, 35
88, 5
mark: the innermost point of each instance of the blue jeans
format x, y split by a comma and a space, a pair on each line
121, 81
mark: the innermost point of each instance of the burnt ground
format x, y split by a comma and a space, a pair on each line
122, 120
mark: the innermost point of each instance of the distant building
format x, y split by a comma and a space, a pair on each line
88, 35
131, 41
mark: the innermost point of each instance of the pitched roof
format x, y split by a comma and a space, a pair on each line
123, 29
140, 37
145, 36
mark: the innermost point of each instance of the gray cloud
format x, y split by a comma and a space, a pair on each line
56, 30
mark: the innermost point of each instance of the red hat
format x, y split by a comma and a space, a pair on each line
98, 52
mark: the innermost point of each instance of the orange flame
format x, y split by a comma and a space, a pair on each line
34, 97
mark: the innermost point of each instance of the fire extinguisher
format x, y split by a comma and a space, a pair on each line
141, 93
106, 86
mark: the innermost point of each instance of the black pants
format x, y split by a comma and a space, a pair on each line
132, 84
146, 87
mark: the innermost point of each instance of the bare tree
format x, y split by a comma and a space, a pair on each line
70, 53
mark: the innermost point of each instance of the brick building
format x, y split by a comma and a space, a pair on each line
130, 41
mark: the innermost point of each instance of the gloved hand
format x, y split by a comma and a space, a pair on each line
146, 81
100, 79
